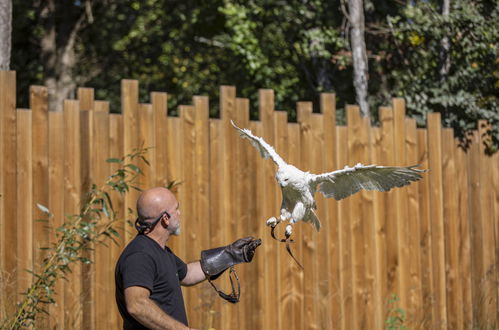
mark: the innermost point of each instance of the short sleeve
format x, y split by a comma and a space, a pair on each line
138, 269
181, 268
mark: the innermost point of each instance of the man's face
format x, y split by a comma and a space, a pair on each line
174, 221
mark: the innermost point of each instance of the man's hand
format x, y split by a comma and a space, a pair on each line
244, 248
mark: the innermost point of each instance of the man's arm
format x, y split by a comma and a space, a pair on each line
194, 274
145, 311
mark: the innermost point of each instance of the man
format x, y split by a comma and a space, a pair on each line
148, 274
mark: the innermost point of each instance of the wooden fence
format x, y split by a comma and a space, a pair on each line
433, 244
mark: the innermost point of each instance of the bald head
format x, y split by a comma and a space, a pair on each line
154, 201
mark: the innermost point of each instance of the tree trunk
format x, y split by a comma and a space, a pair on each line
5, 33
359, 54
444, 52
58, 51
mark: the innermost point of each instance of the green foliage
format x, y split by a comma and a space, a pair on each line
469, 91
94, 224
396, 316
298, 48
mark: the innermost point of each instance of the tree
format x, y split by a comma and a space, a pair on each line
359, 54
465, 88
5, 33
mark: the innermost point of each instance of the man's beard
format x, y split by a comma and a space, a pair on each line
175, 231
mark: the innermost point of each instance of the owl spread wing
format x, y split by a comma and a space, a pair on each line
265, 149
343, 183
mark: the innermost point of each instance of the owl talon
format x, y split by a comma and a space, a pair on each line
272, 222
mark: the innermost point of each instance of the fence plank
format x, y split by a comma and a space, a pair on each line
39, 132
321, 257
104, 272
8, 193
216, 207
454, 290
86, 98
131, 124
309, 235
40, 145
491, 265
87, 175
463, 239
116, 151
56, 204
413, 223
257, 319
401, 206
360, 223
72, 187
25, 221
202, 198
282, 259
270, 206
425, 233
328, 109
388, 269
159, 106
437, 225
379, 238
190, 248
230, 318
294, 153
245, 211
346, 286
147, 140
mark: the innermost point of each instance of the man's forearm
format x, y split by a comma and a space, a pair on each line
153, 317
194, 274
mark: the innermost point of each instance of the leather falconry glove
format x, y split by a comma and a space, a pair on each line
215, 261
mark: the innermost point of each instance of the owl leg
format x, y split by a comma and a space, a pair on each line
272, 223
287, 240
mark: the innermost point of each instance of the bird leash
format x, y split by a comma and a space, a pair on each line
288, 248
233, 297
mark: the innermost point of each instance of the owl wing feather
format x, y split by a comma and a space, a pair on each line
265, 149
350, 180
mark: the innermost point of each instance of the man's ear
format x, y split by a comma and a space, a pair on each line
165, 222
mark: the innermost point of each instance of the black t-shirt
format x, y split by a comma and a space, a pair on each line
144, 263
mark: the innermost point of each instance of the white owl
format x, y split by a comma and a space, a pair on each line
299, 187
